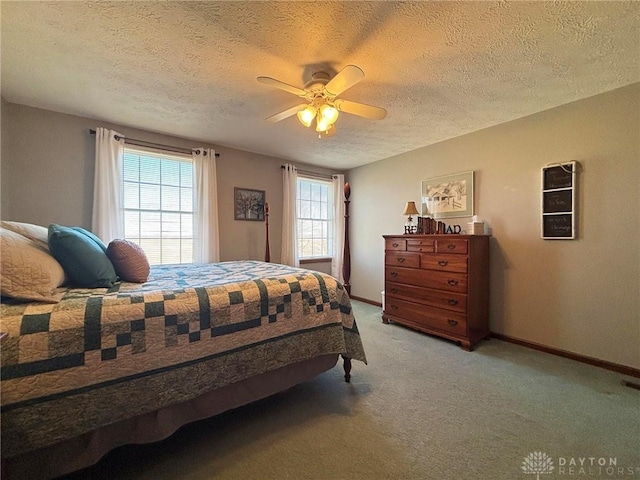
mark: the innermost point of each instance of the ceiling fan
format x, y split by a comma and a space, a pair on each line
321, 102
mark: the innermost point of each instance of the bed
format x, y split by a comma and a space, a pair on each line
132, 363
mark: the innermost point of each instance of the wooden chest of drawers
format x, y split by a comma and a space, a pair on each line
439, 284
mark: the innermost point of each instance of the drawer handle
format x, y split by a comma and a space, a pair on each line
451, 246
395, 244
453, 323
401, 259
394, 290
394, 307
450, 301
394, 274
443, 263
453, 282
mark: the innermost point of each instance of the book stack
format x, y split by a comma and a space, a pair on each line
431, 226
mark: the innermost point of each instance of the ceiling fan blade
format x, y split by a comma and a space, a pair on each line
272, 82
287, 113
345, 79
360, 109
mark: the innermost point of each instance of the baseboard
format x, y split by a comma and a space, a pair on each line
623, 369
630, 383
365, 300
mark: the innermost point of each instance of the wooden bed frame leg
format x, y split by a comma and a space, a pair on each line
347, 369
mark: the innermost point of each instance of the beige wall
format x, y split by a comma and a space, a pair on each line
577, 295
47, 177
4, 203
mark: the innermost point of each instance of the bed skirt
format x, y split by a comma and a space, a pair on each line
87, 449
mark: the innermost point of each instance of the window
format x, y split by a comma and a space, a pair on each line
315, 218
158, 204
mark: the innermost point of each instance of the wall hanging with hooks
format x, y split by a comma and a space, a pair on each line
559, 201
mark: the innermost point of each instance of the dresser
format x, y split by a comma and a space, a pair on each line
438, 284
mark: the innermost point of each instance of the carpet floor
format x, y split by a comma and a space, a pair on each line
422, 409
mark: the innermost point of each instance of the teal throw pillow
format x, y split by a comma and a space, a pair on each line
92, 236
82, 255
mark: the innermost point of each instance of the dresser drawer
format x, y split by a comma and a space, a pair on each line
395, 244
411, 260
444, 263
428, 317
421, 245
452, 246
451, 282
456, 302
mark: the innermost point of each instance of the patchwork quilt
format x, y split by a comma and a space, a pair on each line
103, 355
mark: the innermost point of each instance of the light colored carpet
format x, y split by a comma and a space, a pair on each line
422, 409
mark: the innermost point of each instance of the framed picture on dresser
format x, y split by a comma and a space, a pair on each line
448, 196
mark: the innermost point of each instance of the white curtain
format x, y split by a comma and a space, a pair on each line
108, 211
206, 241
338, 230
290, 216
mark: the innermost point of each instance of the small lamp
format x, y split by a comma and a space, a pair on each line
410, 209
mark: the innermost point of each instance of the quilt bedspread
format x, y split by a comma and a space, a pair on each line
103, 355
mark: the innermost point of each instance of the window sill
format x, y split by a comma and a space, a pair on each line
315, 260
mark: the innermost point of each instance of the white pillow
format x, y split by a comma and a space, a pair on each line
37, 233
27, 270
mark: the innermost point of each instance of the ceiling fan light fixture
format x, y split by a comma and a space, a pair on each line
307, 115
329, 132
321, 124
329, 113
321, 94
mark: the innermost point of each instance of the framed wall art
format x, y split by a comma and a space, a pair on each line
449, 196
248, 204
559, 201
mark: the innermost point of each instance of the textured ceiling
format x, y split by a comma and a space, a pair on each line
441, 69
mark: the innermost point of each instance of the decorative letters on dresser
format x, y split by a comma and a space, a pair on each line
439, 284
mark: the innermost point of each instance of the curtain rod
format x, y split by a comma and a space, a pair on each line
143, 143
312, 174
